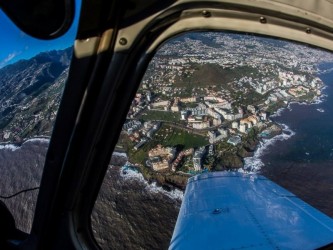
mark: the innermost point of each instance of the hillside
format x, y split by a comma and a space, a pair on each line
30, 92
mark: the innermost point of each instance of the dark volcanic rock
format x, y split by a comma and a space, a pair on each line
228, 161
244, 152
251, 145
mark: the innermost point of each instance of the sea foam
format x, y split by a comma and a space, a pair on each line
11, 147
119, 154
279, 111
38, 139
254, 164
14, 147
130, 174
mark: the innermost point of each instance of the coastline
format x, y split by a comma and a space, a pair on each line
153, 186
251, 157
254, 163
153, 181
17, 145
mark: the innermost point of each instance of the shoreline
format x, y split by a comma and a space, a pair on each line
16, 145
254, 163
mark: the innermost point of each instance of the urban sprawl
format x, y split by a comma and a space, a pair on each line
206, 100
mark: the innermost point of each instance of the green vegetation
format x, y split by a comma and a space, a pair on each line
228, 160
138, 156
223, 146
275, 106
166, 136
252, 135
171, 136
205, 75
251, 98
189, 105
307, 97
185, 164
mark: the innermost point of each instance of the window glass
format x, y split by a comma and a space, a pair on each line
32, 77
216, 101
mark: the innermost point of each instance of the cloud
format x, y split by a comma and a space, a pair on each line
9, 57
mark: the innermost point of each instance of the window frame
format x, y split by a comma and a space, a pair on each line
110, 60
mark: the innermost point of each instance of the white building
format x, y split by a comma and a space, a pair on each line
161, 104
215, 136
234, 124
234, 140
217, 122
242, 128
197, 158
251, 108
201, 125
183, 115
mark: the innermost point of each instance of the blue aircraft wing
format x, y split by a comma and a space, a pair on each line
230, 210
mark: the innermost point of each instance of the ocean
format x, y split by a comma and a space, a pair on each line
301, 158
130, 213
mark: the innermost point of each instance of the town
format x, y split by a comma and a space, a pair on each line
206, 101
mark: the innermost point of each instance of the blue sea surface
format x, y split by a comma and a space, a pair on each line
304, 163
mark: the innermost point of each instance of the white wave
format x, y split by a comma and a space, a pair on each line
316, 101
130, 174
39, 139
279, 111
11, 147
119, 154
254, 164
319, 100
321, 110
173, 194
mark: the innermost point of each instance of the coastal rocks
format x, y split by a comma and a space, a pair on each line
271, 131
177, 180
118, 159
245, 152
250, 146
228, 161
167, 180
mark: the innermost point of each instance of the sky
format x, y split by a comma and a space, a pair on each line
16, 45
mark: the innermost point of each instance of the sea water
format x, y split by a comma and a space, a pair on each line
301, 159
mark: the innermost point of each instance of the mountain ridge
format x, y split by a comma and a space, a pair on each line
30, 93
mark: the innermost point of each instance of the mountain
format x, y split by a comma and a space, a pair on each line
30, 92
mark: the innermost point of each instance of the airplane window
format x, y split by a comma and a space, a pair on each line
217, 101
32, 77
